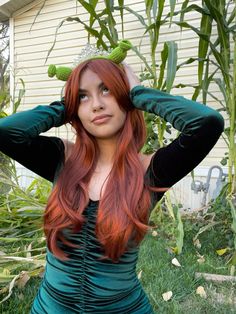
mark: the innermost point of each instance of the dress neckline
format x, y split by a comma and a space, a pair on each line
93, 201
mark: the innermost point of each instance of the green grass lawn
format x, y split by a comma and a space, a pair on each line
159, 276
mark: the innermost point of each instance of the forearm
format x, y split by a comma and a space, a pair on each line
24, 125
185, 115
20, 138
200, 128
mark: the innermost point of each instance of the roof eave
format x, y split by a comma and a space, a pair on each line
9, 7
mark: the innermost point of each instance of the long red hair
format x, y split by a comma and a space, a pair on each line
122, 215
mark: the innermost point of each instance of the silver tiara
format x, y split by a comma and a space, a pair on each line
88, 52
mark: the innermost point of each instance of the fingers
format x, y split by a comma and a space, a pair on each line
132, 77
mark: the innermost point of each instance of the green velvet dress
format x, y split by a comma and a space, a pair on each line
85, 283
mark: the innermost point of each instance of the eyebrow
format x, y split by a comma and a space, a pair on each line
84, 90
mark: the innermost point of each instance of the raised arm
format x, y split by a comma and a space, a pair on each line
20, 138
200, 128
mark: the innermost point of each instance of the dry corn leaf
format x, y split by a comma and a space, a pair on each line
28, 249
197, 243
201, 291
167, 295
24, 278
175, 262
201, 259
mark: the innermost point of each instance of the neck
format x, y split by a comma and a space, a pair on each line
107, 150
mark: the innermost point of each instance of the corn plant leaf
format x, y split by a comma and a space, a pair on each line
164, 56
138, 16
217, 14
38, 13
220, 59
171, 64
21, 94
91, 18
206, 27
182, 12
192, 7
148, 5
111, 21
180, 233
205, 228
89, 7
121, 4
221, 86
197, 31
154, 8
157, 25
142, 58
172, 9
232, 16
69, 19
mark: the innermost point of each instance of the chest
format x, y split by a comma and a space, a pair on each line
97, 185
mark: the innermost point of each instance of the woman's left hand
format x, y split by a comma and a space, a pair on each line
132, 77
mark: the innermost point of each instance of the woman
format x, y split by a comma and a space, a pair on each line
104, 188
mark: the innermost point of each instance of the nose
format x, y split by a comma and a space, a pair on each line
97, 104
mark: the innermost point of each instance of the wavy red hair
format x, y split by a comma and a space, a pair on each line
122, 215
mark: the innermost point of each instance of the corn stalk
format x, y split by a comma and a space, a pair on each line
222, 55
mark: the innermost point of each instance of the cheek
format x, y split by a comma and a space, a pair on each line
123, 117
82, 113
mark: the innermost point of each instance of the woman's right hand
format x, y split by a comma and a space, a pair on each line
132, 77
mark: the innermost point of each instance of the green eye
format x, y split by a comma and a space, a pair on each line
105, 90
82, 97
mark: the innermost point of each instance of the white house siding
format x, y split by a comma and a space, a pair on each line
32, 43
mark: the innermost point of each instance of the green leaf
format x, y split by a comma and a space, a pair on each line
217, 15
91, 18
180, 233
89, 7
21, 94
142, 58
205, 28
111, 21
164, 56
154, 8
121, 4
171, 64
172, 9
232, 16
221, 86
149, 4
157, 26
139, 16
183, 7
198, 32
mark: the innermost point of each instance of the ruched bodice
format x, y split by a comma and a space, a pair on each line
88, 284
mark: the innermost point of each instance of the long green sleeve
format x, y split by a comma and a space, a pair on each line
20, 138
200, 128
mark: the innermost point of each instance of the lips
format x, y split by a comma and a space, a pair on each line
102, 117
